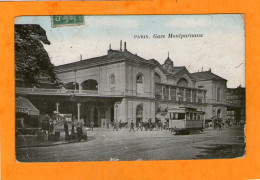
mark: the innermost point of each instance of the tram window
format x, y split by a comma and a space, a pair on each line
181, 116
171, 115
188, 116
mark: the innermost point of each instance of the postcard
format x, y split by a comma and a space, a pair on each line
129, 87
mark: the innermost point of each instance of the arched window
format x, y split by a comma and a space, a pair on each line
139, 84
72, 86
90, 84
112, 79
218, 95
139, 79
182, 82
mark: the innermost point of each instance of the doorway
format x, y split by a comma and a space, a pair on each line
95, 117
139, 113
112, 114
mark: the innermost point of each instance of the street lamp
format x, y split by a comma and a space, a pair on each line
75, 82
116, 106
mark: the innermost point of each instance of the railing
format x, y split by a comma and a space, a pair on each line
65, 92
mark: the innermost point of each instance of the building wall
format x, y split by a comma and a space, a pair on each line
101, 74
132, 71
211, 97
126, 110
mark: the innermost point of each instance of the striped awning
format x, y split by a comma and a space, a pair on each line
23, 105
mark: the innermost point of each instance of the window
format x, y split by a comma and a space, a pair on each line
218, 95
182, 82
139, 85
181, 116
181, 94
139, 79
112, 79
200, 97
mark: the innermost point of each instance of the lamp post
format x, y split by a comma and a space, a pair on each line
75, 82
116, 106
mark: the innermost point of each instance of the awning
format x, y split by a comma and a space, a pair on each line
23, 105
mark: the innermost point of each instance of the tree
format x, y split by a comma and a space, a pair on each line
32, 61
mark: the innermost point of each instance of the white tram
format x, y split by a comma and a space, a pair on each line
185, 120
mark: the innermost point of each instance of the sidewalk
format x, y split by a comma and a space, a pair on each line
23, 141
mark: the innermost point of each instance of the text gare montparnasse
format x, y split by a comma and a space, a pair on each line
169, 36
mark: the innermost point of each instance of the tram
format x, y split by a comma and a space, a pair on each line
186, 120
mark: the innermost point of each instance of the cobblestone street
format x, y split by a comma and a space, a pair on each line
122, 145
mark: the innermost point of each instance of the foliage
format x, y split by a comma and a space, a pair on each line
32, 61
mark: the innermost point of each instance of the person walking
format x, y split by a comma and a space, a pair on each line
79, 131
120, 124
132, 126
66, 129
107, 125
92, 125
140, 126
115, 126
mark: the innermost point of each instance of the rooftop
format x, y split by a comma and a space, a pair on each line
206, 75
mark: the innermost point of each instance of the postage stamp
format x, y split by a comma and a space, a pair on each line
58, 21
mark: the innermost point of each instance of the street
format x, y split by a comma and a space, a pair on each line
122, 145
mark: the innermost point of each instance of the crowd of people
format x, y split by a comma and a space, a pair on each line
140, 125
48, 128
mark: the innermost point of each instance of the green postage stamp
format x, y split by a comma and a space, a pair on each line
57, 21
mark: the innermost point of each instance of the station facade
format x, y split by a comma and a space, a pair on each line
122, 86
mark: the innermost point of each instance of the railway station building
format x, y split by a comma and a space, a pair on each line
122, 86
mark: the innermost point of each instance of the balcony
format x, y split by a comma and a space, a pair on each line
179, 94
41, 91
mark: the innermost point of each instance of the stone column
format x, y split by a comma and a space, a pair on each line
170, 93
177, 91
78, 111
191, 100
162, 93
57, 107
184, 95
80, 88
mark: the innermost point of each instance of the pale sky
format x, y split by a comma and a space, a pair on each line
222, 47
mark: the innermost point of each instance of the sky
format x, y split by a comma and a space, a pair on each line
221, 48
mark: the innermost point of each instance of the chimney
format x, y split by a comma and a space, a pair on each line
109, 46
124, 46
81, 57
120, 45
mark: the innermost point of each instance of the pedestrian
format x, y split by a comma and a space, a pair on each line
132, 126
79, 131
115, 126
51, 126
120, 124
66, 129
107, 125
92, 125
139, 126
219, 126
